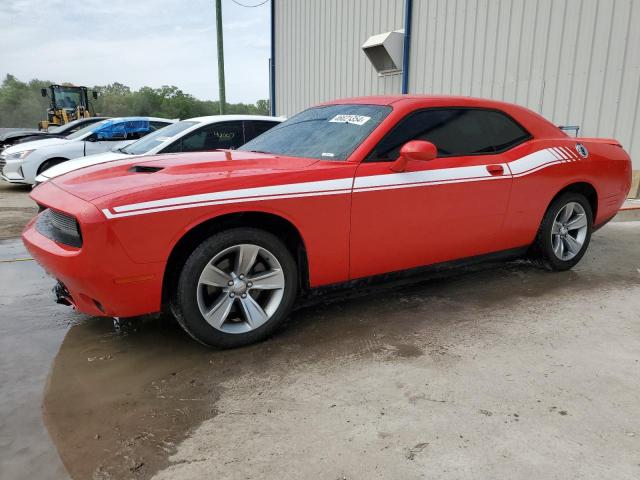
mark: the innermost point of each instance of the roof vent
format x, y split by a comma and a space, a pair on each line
385, 51
144, 169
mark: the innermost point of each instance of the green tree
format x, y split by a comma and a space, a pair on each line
21, 104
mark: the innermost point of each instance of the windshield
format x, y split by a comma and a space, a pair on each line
330, 132
88, 129
156, 138
65, 127
67, 97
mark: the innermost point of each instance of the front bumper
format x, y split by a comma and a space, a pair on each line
62, 295
13, 179
99, 278
11, 171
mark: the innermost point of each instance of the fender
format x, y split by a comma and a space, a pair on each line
231, 210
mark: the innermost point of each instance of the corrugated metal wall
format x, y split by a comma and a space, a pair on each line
318, 54
573, 61
577, 62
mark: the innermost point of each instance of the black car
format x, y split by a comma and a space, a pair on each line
13, 137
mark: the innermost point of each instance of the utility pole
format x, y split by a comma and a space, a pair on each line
221, 88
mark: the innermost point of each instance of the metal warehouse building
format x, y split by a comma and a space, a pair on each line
577, 62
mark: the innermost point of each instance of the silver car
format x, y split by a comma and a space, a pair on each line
193, 135
21, 163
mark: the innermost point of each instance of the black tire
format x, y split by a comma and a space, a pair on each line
184, 303
50, 163
543, 246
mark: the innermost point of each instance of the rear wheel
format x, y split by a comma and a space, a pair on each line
236, 288
565, 232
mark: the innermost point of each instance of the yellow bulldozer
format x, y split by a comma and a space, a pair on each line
67, 103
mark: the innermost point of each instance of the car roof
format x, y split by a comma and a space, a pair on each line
81, 120
453, 100
228, 118
151, 119
532, 121
88, 119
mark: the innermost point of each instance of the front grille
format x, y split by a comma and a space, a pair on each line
3, 162
64, 222
59, 227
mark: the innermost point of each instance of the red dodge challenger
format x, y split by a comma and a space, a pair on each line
345, 190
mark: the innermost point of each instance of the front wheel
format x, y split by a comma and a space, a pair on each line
236, 288
565, 232
49, 164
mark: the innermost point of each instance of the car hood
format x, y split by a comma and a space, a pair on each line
76, 163
19, 133
162, 176
35, 144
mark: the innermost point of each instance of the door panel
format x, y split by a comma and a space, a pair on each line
91, 148
435, 211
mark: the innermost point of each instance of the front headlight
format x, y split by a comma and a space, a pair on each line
18, 155
60, 227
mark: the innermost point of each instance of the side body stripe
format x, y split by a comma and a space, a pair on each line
522, 166
443, 175
245, 193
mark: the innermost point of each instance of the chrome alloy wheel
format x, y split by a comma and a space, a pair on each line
569, 231
241, 288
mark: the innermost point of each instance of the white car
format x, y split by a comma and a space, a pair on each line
21, 163
192, 135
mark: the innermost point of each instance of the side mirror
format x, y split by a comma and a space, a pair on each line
43, 92
418, 150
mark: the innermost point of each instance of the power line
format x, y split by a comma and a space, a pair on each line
249, 6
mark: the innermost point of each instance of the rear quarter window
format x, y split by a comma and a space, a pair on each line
505, 131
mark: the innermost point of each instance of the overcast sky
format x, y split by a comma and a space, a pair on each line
138, 43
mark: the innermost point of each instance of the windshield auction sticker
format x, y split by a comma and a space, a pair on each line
353, 119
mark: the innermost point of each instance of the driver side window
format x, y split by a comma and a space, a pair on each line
115, 137
226, 135
97, 137
454, 132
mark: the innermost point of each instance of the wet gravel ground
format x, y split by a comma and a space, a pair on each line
31, 331
500, 371
16, 209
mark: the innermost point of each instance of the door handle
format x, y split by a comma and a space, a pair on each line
495, 169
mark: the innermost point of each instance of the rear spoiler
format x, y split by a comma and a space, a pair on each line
570, 128
606, 141
576, 129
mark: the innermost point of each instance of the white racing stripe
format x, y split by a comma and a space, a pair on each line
424, 184
244, 193
442, 175
526, 165
535, 160
555, 153
572, 155
108, 213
